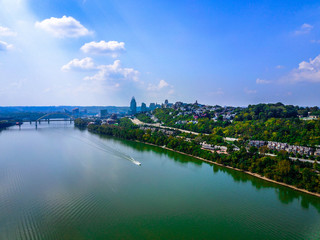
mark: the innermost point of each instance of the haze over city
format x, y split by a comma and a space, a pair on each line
90, 52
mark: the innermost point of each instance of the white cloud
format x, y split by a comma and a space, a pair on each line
262, 81
279, 67
112, 48
161, 88
114, 72
77, 64
111, 78
5, 46
6, 32
63, 27
249, 91
306, 72
162, 84
304, 29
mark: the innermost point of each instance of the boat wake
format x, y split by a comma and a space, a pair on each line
135, 162
103, 147
115, 152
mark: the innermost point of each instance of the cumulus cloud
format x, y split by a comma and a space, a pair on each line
262, 81
156, 87
161, 87
63, 27
306, 72
77, 64
114, 72
162, 84
6, 32
304, 29
112, 48
111, 77
5, 46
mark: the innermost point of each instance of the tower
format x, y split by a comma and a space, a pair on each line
133, 106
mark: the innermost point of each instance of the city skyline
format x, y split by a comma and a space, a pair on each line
90, 52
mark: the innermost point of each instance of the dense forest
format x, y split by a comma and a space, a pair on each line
144, 118
279, 168
291, 131
266, 111
81, 123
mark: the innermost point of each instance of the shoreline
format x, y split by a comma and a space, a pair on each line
239, 170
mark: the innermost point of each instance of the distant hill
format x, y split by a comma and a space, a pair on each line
4, 111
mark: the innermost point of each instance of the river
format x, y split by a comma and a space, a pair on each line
59, 182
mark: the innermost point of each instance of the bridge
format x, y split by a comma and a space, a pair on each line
46, 118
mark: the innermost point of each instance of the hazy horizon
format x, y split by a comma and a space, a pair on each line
139, 105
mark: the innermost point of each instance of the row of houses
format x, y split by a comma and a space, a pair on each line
286, 147
201, 110
185, 122
310, 117
218, 149
225, 116
108, 121
165, 131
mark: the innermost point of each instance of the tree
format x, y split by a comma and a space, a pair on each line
283, 167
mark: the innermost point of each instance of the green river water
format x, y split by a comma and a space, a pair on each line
58, 182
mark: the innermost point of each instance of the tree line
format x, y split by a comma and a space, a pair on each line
4, 124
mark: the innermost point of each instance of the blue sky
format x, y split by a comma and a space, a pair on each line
94, 52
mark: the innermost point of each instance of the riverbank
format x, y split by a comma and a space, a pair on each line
299, 176
239, 170
5, 124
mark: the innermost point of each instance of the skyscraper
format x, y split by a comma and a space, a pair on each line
152, 106
133, 106
143, 107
